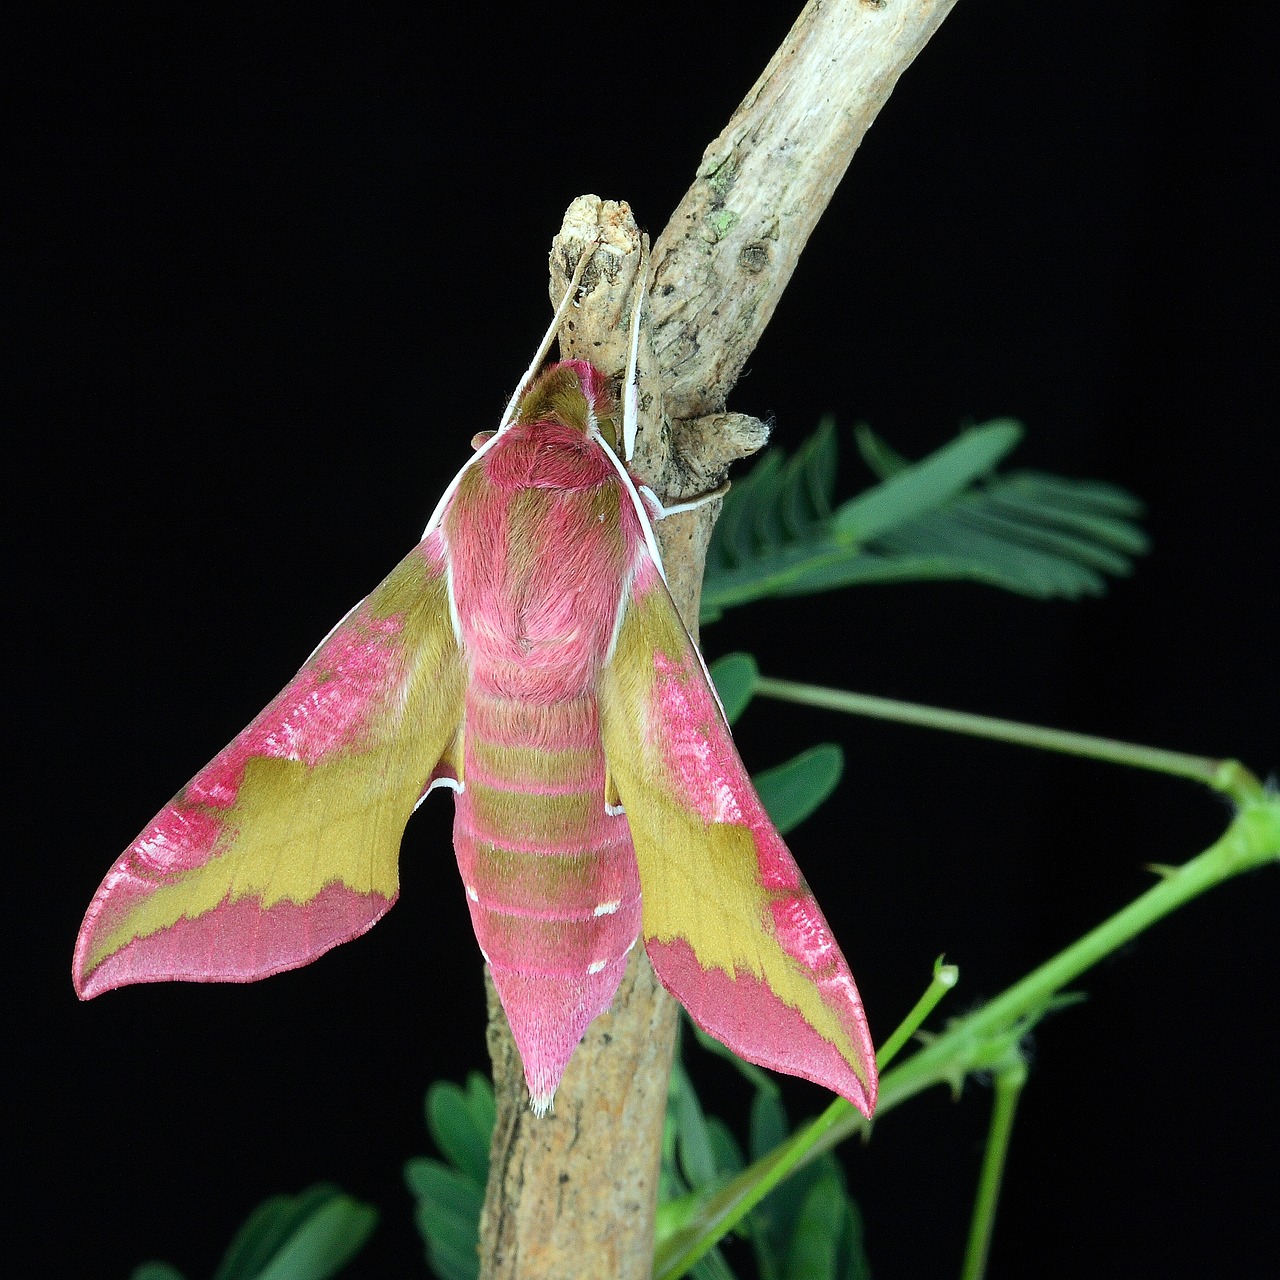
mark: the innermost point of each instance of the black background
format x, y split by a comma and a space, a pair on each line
279, 265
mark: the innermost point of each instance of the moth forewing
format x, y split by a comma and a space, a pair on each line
527, 655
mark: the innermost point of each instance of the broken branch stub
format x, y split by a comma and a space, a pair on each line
679, 460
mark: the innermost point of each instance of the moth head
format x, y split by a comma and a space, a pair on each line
575, 394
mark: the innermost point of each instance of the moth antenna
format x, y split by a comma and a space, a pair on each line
631, 393
660, 511
550, 336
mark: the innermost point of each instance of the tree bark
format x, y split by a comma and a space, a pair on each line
728, 251
573, 1194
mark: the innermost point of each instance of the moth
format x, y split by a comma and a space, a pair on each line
527, 655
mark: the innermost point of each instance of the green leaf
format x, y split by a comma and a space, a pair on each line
735, 676
448, 1217
698, 1226
883, 461
155, 1271
450, 1259
775, 1218
324, 1243
277, 1221
266, 1229
754, 494
770, 1220
454, 1127
447, 1189
778, 501
925, 486
697, 1150
725, 1152
790, 792
769, 1127
1000, 561
810, 480
481, 1104
1008, 525
674, 1212
1083, 507
450, 1196
944, 518
853, 1263
712, 1267
693, 1141
1096, 496
816, 1239
670, 1184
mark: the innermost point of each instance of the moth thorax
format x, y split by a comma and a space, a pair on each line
575, 394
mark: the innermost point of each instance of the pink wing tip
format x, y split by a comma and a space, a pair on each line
90, 984
743, 1013
235, 942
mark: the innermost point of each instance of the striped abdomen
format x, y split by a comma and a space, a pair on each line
540, 545
550, 876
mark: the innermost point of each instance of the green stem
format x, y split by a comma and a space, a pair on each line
983, 1038
727, 1207
945, 976
1228, 776
1251, 841
1009, 1081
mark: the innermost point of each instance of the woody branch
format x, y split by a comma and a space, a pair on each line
574, 1193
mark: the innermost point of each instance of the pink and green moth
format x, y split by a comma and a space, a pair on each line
526, 653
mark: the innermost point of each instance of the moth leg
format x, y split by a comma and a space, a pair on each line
550, 336
659, 510
631, 382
